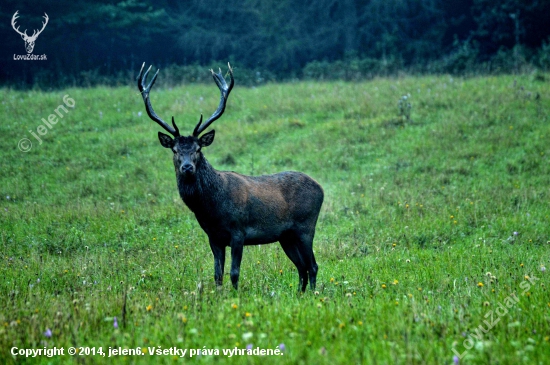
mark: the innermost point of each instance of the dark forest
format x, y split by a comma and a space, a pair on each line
103, 42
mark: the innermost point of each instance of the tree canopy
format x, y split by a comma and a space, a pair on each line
89, 40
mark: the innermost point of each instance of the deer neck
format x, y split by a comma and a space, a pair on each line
198, 191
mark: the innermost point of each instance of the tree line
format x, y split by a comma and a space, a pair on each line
90, 42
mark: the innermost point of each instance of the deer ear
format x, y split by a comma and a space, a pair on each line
207, 139
165, 140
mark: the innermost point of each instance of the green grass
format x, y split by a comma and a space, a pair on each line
416, 213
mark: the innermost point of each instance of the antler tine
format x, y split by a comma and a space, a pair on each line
196, 131
224, 91
46, 18
13, 20
142, 78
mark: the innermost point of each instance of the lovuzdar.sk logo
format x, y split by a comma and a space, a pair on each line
29, 40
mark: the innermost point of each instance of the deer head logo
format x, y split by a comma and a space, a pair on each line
29, 40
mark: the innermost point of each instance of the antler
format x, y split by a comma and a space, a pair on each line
145, 95
34, 36
24, 34
224, 90
13, 19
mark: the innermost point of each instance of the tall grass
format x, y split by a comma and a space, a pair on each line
429, 222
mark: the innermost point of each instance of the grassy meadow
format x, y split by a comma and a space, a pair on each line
433, 240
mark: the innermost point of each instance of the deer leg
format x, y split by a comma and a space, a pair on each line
313, 272
236, 257
291, 249
219, 262
306, 250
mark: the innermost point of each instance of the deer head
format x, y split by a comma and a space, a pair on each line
187, 150
29, 40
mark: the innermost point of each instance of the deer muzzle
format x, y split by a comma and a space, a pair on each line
187, 168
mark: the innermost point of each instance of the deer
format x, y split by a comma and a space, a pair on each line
236, 210
29, 41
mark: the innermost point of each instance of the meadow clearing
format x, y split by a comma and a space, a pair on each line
433, 242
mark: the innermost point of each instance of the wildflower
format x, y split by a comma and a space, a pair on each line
486, 304
395, 282
515, 233
526, 277
360, 323
247, 314
407, 261
247, 336
154, 238
455, 360
48, 333
249, 346
115, 323
149, 307
342, 325
348, 295
542, 268
234, 306
383, 286
521, 265
480, 284
488, 274
332, 280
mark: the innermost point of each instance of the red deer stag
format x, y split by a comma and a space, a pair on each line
236, 210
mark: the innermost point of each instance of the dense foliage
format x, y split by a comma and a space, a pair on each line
89, 42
